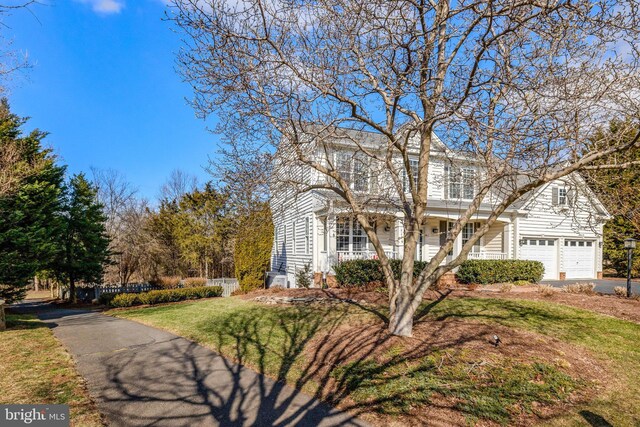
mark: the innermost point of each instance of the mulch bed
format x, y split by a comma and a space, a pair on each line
610, 305
622, 308
350, 343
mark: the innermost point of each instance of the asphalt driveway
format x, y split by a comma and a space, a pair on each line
605, 286
142, 376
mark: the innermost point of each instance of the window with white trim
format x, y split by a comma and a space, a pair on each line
354, 169
461, 183
307, 236
413, 164
350, 236
562, 196
467, 232
293, 236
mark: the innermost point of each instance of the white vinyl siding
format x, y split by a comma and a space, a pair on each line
547, 218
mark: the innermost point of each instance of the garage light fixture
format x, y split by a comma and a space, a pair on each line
630, 243
523, 242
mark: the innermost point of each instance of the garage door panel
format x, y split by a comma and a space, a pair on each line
543, 250
579, 259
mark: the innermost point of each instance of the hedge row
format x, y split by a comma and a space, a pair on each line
364, 271
500, 271
160, 296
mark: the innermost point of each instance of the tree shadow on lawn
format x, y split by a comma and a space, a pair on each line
363, 369
329, 355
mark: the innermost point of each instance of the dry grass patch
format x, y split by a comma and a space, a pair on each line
36, 369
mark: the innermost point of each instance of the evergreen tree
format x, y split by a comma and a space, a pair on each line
84, 243
253, 247
30, 212
202, 231
618, 190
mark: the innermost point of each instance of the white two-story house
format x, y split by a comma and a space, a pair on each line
558, 224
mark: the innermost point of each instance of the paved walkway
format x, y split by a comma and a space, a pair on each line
142, 376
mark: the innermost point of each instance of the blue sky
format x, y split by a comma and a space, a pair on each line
103, 84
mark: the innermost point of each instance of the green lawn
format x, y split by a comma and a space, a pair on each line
36, 369
290, 344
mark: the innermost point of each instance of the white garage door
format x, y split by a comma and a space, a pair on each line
579, 259
543, 250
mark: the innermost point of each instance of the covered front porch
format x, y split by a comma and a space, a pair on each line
341, 238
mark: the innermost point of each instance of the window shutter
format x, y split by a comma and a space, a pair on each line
443, 232
554, 196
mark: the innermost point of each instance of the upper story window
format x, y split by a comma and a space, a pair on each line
461, 182
354, 169
413, 164
562, 196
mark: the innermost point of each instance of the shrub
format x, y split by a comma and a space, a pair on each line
361, 272
106, 298
125, 300
620, 291
169, 282
506, 287
166, 295
546, 290
580, 288
194, 282
304, 277
500, 271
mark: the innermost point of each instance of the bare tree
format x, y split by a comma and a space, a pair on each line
126, 221
515, 86
178, 184
11, 61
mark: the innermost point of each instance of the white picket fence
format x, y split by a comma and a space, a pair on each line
228, 285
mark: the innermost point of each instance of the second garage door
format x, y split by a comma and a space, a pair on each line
543, 250
579, 259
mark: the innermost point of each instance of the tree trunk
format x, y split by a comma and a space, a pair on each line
36, 284
72, 290
401, 320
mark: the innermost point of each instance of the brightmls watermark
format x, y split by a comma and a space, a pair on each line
34, 415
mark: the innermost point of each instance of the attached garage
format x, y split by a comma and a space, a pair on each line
579, 259
543, 250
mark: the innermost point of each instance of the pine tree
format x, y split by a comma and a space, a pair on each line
30, 211
84, 243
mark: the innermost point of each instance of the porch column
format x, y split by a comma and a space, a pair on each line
332, 255
399, 235
507, 240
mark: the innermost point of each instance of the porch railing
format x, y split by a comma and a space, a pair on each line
487, 255
348, 256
